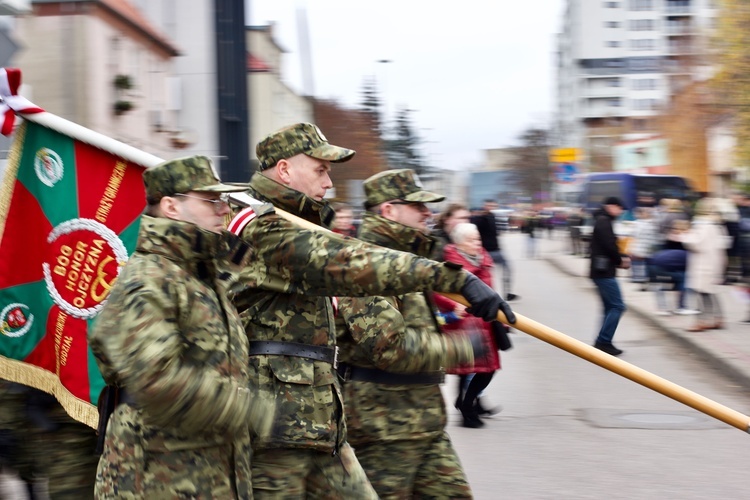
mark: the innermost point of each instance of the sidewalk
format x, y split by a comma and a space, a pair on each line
728, 349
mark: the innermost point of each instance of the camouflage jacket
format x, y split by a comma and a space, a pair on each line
396, 334
287, 298
169, 335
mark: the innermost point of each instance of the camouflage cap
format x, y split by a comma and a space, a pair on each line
300, 138
401, 184
180, 175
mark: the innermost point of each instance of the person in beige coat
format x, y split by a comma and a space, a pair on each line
707, 242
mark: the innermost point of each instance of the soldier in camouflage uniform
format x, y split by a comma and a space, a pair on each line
174, 345
288, 314
393, 356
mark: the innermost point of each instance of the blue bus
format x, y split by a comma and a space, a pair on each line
626, 186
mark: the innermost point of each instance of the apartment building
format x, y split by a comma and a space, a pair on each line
618, 64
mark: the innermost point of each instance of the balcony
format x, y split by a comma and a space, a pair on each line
602, 92
678, 29
679, 47
602, 111
672, 10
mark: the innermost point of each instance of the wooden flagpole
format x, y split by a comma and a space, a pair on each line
593, 355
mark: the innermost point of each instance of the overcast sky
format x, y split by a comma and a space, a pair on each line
476, 72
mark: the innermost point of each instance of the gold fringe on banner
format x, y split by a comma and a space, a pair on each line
39, 378
9, 180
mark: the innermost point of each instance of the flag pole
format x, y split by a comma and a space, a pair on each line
595, 356
623, 368
100, 141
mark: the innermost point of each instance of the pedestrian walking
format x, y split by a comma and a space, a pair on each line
485, 221
173, 350
605, 260
468, 252
707, 241
289, 315
394, 356
646, 240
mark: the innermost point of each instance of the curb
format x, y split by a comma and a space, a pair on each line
737, 374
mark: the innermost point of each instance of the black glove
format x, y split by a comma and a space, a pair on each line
509, 315
485, 302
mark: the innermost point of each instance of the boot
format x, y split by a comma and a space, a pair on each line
471, 417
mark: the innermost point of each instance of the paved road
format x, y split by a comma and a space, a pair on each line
572, 430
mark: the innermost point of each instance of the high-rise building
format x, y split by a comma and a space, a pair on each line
619, 63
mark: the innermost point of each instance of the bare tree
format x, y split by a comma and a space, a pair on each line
531, 166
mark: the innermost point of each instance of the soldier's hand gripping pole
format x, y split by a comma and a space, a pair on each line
593, 355
624, 369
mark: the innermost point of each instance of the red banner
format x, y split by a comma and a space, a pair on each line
69, 216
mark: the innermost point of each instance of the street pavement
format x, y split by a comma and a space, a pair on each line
728, 349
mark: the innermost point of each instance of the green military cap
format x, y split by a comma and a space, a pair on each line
401, 184
300, 138
180, 175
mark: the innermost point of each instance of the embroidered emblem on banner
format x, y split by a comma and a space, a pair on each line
83, 261
15, 320
48, 167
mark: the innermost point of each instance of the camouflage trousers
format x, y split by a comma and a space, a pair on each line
419, 468
288, 473
49, 444
68, 459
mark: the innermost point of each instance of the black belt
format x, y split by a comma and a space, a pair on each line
124, 398
378, 376
109, 399
329, 354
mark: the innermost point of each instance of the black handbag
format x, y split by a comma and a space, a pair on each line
500, 334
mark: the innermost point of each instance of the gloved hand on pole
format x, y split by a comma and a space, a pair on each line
484, 302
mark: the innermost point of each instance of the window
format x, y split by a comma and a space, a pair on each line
614, 102
613, 82
645, 64
611, 5
611, 24
645, 104
643, 44
613, 63
641, 4
644, 84
613, 43
642, 24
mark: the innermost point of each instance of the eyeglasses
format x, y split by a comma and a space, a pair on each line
218, 203
417, 204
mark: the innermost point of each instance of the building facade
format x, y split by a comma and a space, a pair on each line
273, 104
618, 65
100, 64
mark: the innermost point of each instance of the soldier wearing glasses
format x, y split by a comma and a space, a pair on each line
289, 315
173, 349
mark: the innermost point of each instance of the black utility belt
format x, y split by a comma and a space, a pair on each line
377, 376
328, 354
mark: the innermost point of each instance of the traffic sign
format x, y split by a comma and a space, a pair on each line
565, 173
565, 155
